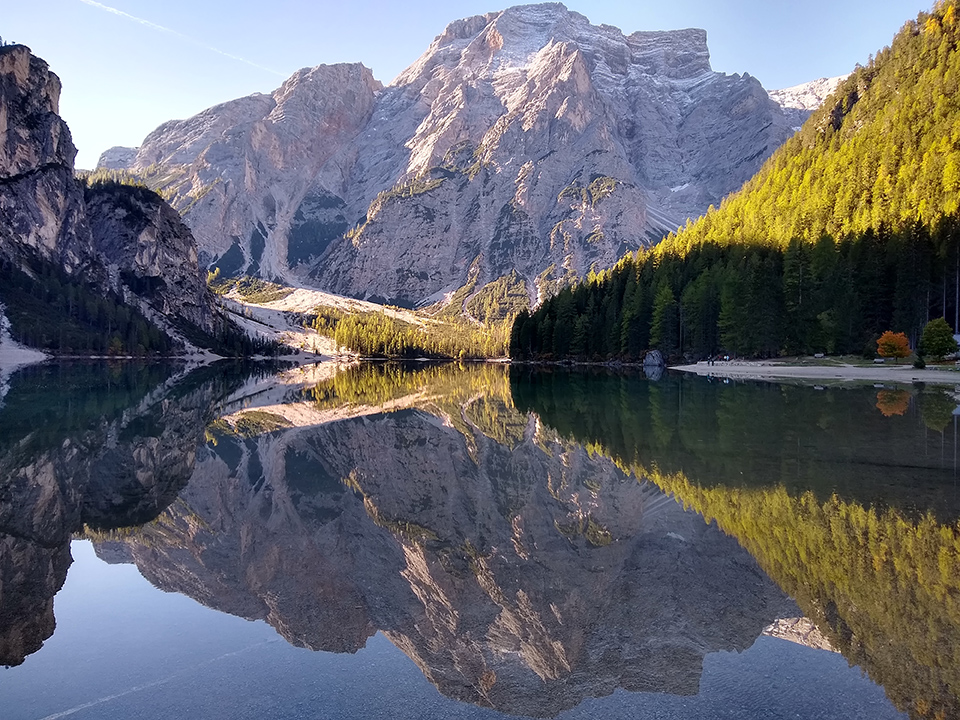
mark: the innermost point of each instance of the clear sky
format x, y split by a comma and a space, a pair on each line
128, 65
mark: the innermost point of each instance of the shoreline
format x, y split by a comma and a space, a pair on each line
760, 370
14, 356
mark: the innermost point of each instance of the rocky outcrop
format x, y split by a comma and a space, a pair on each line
148, 249
121, 241
41, 205
117, 158
519, 573
525, 140
247, 170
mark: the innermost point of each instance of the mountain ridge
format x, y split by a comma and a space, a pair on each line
92, 264
800, 101
851, 229
478, 158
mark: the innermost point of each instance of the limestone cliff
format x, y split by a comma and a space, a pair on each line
246, 170
106, 239
117, 158
148, 250
41, 205
799, 102
525, 140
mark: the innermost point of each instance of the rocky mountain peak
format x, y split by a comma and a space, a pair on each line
809, 95
308, 89
41, 206
32, 134
527, 140
677, 54
110, 238
513, 38
179, 142
117, 158
799, 101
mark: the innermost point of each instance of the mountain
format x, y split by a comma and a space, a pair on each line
87, 265
41, 205
526, 140
882, 152
117, 158
850, 229
800, 101
147, 248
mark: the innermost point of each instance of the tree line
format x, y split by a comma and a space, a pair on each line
883, 149
376, 334
849, 230
52, 311
753, 300
61, 314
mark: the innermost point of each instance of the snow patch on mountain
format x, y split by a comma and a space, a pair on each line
13, 355
799, 102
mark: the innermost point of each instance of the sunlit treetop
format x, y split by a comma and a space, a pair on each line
883, 150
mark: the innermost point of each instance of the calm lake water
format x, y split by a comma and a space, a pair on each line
440, 541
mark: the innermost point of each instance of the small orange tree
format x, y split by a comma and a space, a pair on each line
893, 345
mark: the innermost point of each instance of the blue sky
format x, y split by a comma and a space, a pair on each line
122, 76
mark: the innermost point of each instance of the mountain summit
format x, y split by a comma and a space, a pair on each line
526, 143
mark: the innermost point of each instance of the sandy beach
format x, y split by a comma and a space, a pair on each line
770, 370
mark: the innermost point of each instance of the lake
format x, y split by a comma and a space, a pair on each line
477, 541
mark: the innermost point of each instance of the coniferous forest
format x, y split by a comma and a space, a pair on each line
849, 230
52, 311
55, 312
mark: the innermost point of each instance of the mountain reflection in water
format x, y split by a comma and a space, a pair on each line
509, 531
89, 445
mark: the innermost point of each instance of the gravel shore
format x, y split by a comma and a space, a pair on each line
763, 370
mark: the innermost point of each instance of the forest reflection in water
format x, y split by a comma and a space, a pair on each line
508, 530
847, 496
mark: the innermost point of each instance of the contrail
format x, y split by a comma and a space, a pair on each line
192, 41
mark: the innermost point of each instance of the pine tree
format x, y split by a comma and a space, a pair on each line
665, 324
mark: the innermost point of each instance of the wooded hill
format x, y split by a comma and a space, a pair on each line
850, 229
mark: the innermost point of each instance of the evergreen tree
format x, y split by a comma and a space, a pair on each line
665, 324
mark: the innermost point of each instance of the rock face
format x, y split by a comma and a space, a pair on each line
519, 573
148, 250
243, 169
799, 102
41, 205
117, 158
121, 239
525, 140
